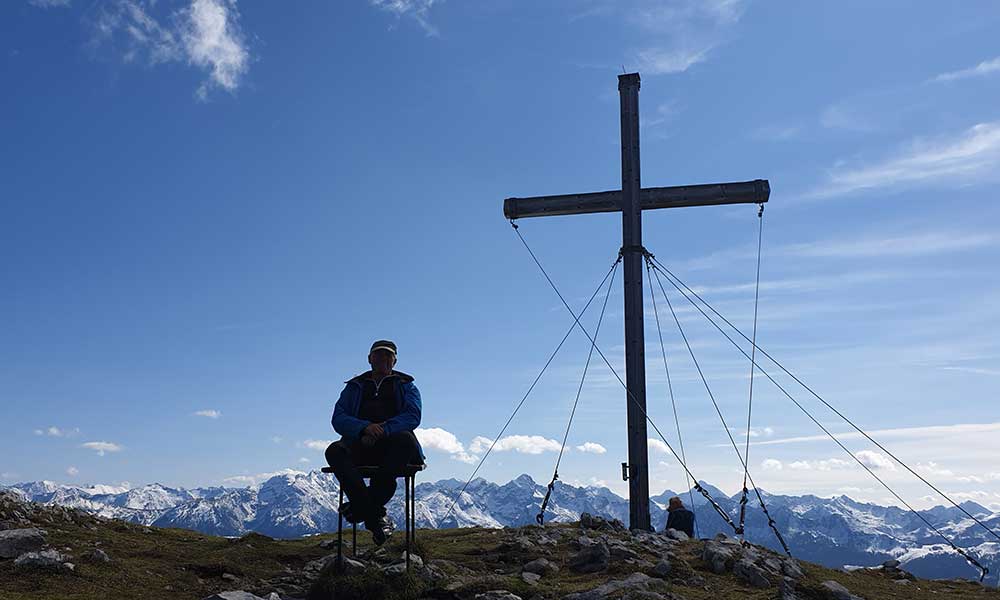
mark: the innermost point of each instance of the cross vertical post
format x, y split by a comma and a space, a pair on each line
635, 352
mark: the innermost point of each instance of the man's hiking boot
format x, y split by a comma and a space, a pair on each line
381, 528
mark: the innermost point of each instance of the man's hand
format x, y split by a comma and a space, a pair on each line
374, 430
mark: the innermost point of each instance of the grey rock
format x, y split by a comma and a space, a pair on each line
98, 555
749, 572
787, 589
15, 542
837, 591
644, 595
497, 595
719, 557
230, 577
662, 568
234, 595
680, 536
415, 559
790, 568
541, 566
891, 564
634, 582
530, 578
620, 551
46, 559
591, 559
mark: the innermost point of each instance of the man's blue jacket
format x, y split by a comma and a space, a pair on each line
345, 414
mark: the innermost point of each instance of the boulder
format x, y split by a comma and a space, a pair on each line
540, 566
662, 568
718, 556
15, 542
790, 568
234, 595
634, 582
50, 560
591, 559
837, 591
97, 555
680, 536
746, 570
497, 595
530, 578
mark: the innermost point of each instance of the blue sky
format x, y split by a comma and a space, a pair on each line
210, 210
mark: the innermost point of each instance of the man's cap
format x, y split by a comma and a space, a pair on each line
384, 345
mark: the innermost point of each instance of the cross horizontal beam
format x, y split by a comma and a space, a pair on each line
708, 194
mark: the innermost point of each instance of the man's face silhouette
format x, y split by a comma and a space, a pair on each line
382, 362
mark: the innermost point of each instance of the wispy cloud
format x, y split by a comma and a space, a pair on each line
901, 432
320, 445
682, 33
210, 413
50, 3
102, 448
965, 158
204, 33
418, 10
987, 67
915, 244
54, 431
72, 471
974, 370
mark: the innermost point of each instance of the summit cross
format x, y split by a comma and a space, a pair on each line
631, 201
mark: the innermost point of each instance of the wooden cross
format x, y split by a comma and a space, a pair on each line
631, 201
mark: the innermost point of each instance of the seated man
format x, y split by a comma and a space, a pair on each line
680, 518
375, 416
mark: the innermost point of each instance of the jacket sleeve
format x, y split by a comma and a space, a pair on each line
408, 418
343, 421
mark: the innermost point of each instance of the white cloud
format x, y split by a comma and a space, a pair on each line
210, 413
436, 438
771, 464
592, 448
213, 41
875, 460
480, 444
205, 34
960, 159
320, 445
986, 67
72, 471
829, 464
418, 10
50, 3
276, 439
658, 445
102, 447
304, 460
524, 444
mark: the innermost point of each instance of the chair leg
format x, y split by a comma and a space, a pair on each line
340, 530
406, 509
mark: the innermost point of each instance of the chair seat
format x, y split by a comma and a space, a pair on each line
371, 470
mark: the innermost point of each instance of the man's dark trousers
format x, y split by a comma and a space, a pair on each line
391, 453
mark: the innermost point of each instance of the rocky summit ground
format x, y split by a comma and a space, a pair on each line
49, 552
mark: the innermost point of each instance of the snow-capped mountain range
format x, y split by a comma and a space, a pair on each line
835, 532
